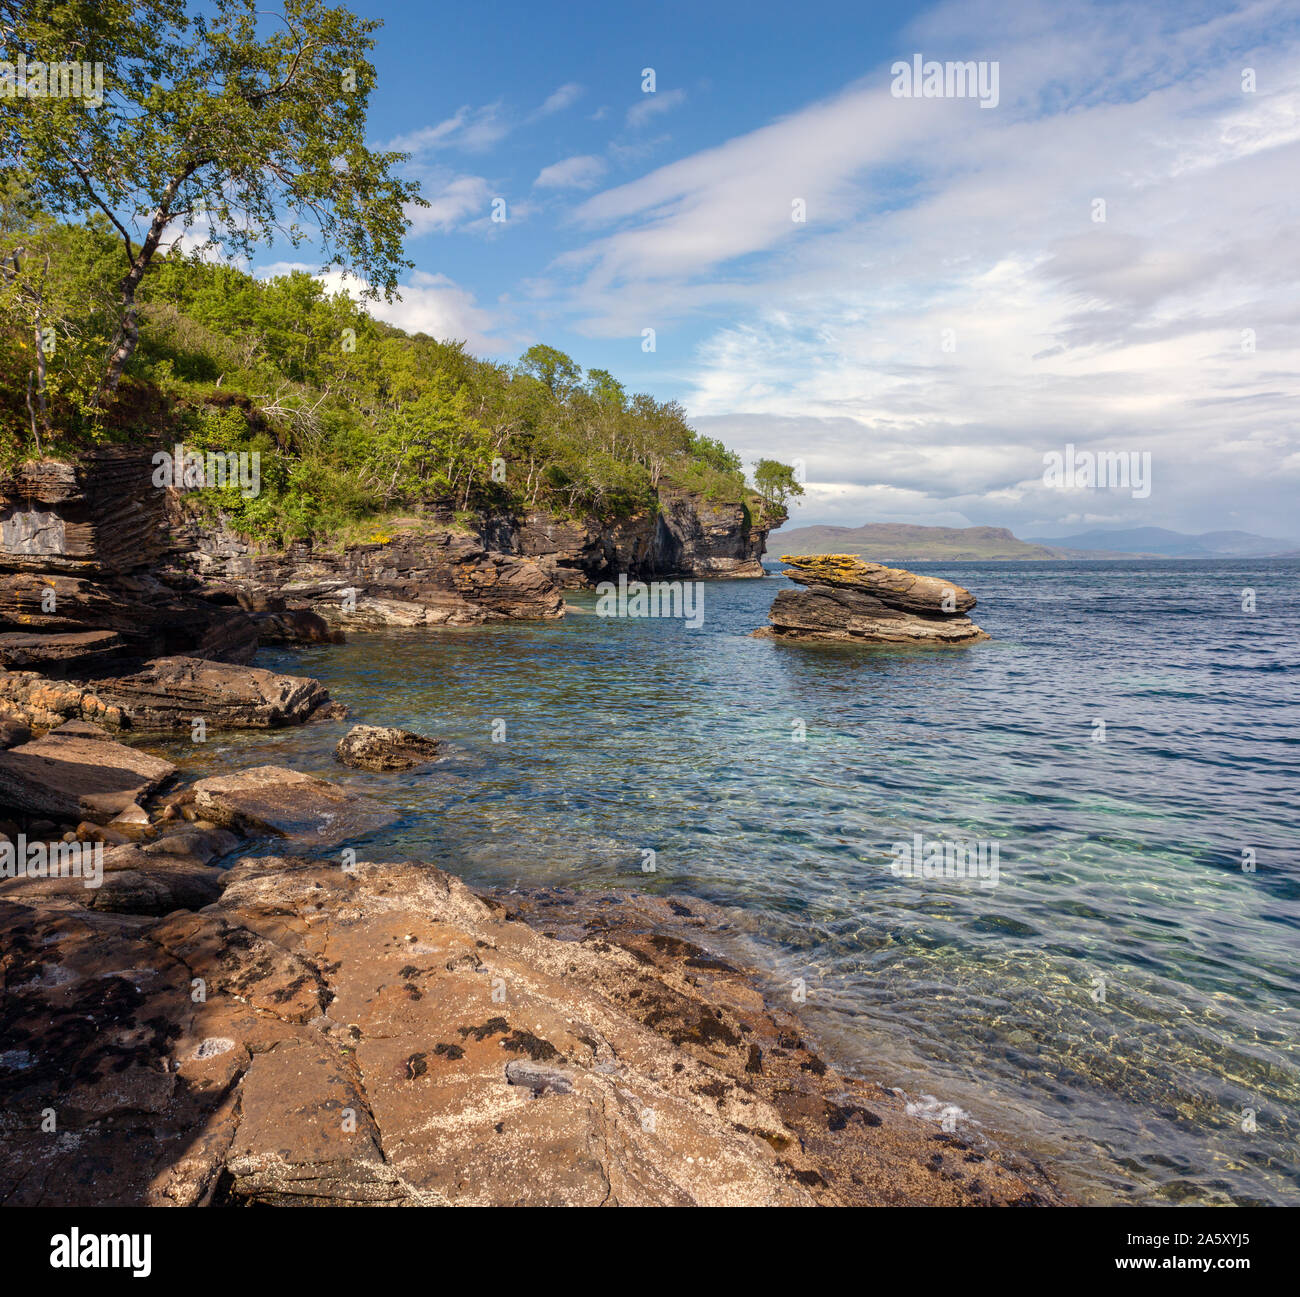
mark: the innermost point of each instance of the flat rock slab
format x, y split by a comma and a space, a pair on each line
72, 777
284, 803
25, 650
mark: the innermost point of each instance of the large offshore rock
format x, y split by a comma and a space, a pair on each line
892, 586
285, 803
852, 600
71, 777
384, 1036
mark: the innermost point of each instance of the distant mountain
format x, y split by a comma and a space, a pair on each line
890, 542
900, 542
1174, 544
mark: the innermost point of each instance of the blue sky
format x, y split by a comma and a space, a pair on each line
951, 309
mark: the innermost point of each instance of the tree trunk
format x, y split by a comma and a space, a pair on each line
128, 330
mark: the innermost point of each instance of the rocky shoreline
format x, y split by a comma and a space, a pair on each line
285, 1030
189, 1020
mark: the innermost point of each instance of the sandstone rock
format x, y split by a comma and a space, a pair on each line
424, 575
377, 747
284, 803
852, 600
13, 732
60, 653
349, 1049
74, 778
892, 586
101, 514
169, 693
688, 535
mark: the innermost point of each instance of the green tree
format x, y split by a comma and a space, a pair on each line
252, 125
776, 483
559, 372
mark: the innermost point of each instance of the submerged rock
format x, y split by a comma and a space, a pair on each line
378, 747
850, 599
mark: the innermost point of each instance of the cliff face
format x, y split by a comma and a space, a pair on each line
423, 574
80, 546
689, 536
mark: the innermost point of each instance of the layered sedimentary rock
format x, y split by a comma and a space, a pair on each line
688, 536
847, 598
422, 575
98, 516
166, 694
80, 546
383, 1036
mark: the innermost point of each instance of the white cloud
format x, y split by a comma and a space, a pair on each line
932, 215
470, 129
653, 105
572, 173
451, 201
567, 95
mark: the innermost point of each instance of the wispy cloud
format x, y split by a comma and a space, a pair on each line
453, 200
470, 129
567, 95
653, 105
581, 172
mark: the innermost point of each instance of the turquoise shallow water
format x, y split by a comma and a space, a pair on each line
1119, 1003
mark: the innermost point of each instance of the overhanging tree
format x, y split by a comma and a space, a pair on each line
247, 125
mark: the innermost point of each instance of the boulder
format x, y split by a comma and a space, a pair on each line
273, 800
377, 747
13, 732
71, 777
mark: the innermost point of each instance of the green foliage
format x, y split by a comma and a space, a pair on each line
352, 419
242, 126
775, 483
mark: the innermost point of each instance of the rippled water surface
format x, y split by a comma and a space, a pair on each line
1120, 1003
